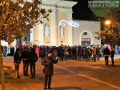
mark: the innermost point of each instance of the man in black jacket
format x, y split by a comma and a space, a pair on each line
106, 54
17, 61
61, 50
25, 61
48, 70
32, 58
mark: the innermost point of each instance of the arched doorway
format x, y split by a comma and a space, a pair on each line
86, 38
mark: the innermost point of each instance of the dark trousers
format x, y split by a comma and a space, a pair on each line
32, 69
106, 60
83, 56
66, 56
98, 56
25, 67
17, 68
87, 57
4, 54
61, 56
112, 58
94, 58
74, 56
48, 80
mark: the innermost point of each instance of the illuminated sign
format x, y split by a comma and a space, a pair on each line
85, 39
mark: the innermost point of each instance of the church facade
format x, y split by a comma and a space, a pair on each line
56, 31
60, 29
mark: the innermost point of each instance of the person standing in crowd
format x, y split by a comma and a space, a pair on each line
65, 53
83, 54
101, 54
106, 54
42, 52
55, 53
25, 61
68, 50
74, 51
48, 62
17, 61
4, 51
46, 50
61, 50
21, 49
11, 51
32, 58
79, 52
37, 51
94, 53
112, 55
90, 52
116, 49
119, 49
71, 53
98, 52
87, 54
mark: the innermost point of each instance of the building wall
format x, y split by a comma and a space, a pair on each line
47, 39
86, 26
62, 15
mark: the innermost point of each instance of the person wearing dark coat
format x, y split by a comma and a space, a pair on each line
42, 53
48, 62
61, 50
74, 52
112, 55
4, 51
17, 61
32, 58
83, 53
98, 52
46, 50
87, 54
25, 61
106, 54
79, 52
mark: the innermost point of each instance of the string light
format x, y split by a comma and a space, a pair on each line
62, 23
73, 24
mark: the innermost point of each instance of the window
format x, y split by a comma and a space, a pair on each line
47, 42
61, 41
85, 33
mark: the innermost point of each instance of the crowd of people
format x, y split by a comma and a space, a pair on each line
49, 56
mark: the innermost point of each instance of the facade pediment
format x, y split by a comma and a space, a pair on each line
58, 4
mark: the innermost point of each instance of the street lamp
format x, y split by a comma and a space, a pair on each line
107, 22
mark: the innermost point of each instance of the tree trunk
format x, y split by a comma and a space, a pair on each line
2, 71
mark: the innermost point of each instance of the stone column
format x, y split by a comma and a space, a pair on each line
53, 28
41, 34
70, 31
38, 34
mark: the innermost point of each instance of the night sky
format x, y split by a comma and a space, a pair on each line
82, 12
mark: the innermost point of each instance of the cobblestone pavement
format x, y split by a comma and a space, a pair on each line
70, 75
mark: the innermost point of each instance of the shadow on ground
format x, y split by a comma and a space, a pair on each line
27, 80
109, 65
66, 88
